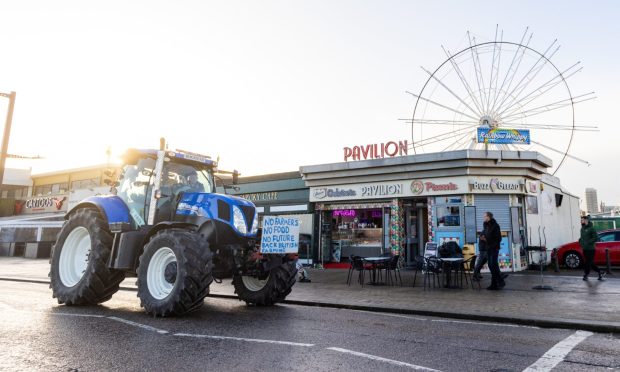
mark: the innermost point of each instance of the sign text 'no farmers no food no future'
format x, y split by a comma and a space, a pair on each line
280, 235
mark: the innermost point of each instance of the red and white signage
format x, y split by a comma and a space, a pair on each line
42, 204
376, 151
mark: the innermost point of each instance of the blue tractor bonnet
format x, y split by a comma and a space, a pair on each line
216, 206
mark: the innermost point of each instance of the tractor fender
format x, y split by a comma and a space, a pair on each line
112, 208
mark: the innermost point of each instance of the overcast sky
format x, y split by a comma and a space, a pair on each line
272, 85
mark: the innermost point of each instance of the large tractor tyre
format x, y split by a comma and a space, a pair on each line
266, 292
79, 270
174, 273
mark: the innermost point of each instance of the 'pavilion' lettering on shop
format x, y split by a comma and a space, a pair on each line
376, 151
378, 190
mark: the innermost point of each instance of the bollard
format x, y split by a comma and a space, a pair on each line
608, 261
556, 264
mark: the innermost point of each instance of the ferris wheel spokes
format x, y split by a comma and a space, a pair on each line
461, 76
531, 75
544, 88
497, 94
450, 90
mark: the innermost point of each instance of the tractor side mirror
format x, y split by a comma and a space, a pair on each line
235, 177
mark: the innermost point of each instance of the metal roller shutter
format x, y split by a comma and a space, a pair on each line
499, 205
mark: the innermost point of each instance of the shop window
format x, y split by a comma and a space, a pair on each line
532, 205
42, 190
53, 189
448, 215
448, 211
85, 184
356, 232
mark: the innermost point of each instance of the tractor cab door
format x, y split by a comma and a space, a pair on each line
134, 188
176, 179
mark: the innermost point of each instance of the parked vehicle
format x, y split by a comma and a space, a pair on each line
166, 225
571, 254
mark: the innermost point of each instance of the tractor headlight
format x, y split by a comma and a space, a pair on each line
255, 224
239, 220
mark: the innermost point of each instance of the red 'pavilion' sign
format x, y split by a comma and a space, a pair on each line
376, 151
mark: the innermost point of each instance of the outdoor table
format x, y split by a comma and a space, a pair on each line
375, 261
449, 262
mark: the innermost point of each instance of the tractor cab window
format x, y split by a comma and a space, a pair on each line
179, 178
134, 186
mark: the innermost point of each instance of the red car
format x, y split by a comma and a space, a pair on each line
571, 255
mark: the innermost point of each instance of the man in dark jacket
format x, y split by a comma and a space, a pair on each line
482, 257
587, 240
492, 236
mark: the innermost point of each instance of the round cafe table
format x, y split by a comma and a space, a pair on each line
375, 262
449, 263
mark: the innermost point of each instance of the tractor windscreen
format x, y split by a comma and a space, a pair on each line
185, 178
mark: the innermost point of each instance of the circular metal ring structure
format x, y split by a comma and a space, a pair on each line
498, 86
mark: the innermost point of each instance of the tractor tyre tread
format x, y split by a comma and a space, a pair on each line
99, 282
280, 285
194, 276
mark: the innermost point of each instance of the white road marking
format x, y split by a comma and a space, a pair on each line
78, 315
380, 359
558, 352
243, 339
139, 325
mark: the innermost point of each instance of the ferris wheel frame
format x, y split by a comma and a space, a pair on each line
560, 74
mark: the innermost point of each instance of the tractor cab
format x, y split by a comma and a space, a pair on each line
159, 178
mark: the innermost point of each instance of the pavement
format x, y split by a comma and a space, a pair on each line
573, 304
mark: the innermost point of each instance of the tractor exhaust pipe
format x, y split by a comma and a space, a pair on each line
162, 144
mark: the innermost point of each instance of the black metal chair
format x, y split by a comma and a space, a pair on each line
357, 264
351, 268
392, 267
467, 269
417, 265
432, 271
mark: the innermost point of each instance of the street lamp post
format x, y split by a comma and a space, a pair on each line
7, 133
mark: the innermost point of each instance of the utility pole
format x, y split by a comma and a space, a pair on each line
7, 133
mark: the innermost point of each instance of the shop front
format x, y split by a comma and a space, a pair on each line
372, 219
397, 205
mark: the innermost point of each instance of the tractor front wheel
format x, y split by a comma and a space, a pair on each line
268, 291
79, 273
174, 273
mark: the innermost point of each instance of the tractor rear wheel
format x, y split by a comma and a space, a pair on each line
79, 273
174, 273
268, 291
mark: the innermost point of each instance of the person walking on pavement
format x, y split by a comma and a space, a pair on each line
492, 236
587, 239
482, 255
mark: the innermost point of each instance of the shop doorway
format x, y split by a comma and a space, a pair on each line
416, 229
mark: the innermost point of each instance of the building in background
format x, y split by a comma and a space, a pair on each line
591, 201
54, 192
409, 204
38, 203
17, 185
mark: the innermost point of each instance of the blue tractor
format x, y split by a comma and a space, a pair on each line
165, 224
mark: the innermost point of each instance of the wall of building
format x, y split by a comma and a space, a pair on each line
559, 224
